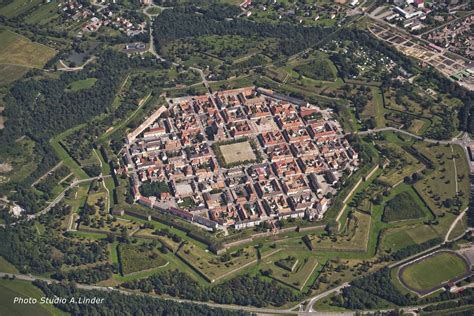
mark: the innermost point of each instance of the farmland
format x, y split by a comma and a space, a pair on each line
19, 50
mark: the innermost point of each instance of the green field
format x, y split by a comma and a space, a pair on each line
304, 268
17, 7
438, 188
402, 207
10, 73
19, 50
11, 289
213, 267
433, 271
401, 164
354, 236
81, 84
6, 266
135, 258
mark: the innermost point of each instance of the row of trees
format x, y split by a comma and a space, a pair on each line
88, 275
242, 290
179, 23
115, 303
30, 251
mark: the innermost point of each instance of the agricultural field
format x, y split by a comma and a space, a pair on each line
18, 7
433, 271
9, 289
135, 258
403, 206
213, 267
354, 236
18, 50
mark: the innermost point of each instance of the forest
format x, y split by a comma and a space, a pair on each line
243, 290
179, 23
115, 303
32, 252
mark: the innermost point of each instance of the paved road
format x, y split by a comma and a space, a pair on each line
67, 68
46, 174
453, 224
61, 196
314, 299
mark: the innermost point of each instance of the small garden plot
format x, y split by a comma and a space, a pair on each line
212, 267
432, 272
134, 258
402, 207
353, 237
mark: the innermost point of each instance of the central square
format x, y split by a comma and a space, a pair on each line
237, 153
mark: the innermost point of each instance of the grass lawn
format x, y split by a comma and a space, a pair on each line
10, 73
81, 84
433, 271
402, 207
304, 267
64, 156
6, 266
353, 237
19, 50
43, 14
401, 164
397, 238
16, 288
17, 7
135, 258
439, 183
213, 267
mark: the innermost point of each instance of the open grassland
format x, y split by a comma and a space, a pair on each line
9, 289
81, 84
19, 50
17, 7
7, 267
404, 206
433, 271
213, 267
43, 14
354, 236
135, 258
10, 73
401, 164
304, 268
438, 188
397, 238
